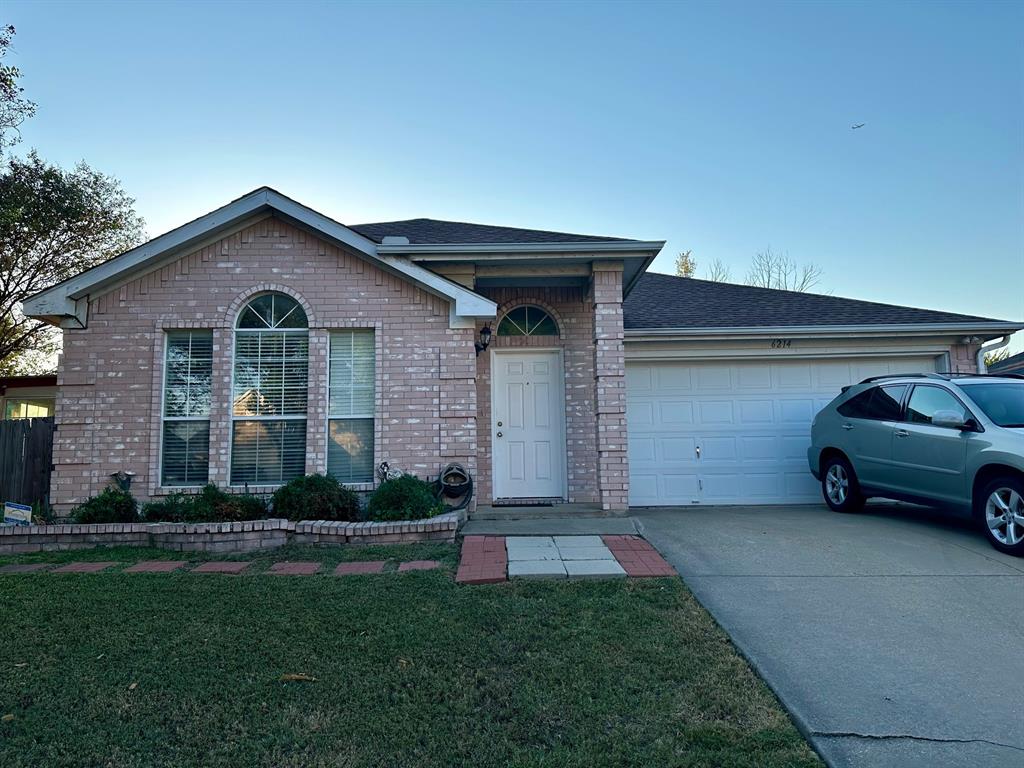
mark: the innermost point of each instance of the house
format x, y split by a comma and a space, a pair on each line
1012, 364
27, 397
266, 340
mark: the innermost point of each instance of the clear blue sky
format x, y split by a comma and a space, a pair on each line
722, 128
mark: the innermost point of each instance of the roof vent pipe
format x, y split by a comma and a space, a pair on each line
984, 350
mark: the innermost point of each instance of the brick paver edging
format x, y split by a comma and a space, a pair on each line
229, 567
247, 536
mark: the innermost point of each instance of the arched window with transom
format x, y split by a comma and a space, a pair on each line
269, 392
527, 320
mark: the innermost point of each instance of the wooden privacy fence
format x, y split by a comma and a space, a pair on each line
26, 456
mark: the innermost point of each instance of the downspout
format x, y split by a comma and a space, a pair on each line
984, 350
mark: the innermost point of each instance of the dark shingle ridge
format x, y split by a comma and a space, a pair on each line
434, 231
660, 301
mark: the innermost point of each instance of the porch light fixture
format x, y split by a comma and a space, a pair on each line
485, 339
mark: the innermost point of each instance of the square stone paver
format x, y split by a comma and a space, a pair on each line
294, 568
577, 542
156, 566
79, 567
24, 567
531, 548
222, 566
362, 567
536, 569
587, 553
594, 569
419, 565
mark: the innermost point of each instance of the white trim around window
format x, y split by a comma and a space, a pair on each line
351, 397
186, 389
269, 394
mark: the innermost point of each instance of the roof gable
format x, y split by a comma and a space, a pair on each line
69, 299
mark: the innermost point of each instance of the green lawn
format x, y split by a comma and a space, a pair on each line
411, 670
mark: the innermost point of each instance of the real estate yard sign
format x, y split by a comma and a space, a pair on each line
17, 514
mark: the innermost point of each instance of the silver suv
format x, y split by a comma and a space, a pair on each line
951, 440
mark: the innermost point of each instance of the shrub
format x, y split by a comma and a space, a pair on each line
316, 497
112, 505
210, 505
404, 498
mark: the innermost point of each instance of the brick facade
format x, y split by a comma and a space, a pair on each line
432, 390
110, 374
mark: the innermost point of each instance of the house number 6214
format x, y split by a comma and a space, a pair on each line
782, 343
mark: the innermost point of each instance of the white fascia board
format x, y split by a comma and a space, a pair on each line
599, 249
465, 302
67, 299
824, 331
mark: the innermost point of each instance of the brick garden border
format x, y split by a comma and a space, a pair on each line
247, 536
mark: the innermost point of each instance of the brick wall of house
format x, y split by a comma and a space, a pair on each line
610, 387
110, 377
594, 390
963, 358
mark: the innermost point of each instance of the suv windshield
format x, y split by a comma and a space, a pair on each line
1003, 403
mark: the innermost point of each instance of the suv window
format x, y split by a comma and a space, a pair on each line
1003, 403
877, 403
925, 401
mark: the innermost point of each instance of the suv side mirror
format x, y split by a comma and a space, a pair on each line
950, 419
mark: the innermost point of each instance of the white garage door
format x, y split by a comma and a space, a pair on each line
733, 433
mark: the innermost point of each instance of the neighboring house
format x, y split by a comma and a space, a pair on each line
265, 340
1012, 364
27, 397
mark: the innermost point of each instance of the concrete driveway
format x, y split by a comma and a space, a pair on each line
895, 637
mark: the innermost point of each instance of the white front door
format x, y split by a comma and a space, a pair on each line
528, 424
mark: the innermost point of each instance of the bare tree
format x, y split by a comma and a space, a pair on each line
686, 265
718, 272
774, 270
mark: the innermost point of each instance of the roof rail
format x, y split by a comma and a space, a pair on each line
988, 375
943, 376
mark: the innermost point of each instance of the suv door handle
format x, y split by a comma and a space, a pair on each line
847, 425
901, 433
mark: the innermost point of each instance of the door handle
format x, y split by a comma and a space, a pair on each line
901, 433
499, 434
847, 426
698, 451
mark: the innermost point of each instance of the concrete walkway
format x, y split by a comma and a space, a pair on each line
551, 526
895, 637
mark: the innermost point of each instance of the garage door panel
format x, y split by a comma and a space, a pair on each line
796, 411
673, 378
717, 449
711, 412
759, 448
673, 412
751, 421
675, 450
757, 411
794, 376
640, 414
683, 487
754, 377
642, 449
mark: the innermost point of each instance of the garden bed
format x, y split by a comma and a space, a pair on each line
244, 536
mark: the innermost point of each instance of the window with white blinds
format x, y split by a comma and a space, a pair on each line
350, 407
269, 392
188, 372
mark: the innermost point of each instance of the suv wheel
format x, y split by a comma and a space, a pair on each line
1001, 504
839, 486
